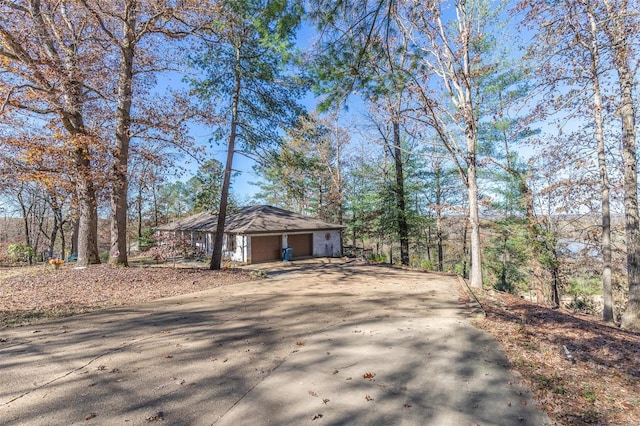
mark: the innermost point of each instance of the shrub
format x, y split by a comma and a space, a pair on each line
583, 304
426, 265
584, 286
20, 253
169, 247
147, 240
377, 258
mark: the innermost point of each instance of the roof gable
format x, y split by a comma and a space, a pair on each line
204, 221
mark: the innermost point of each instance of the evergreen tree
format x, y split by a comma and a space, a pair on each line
204, 187
246, 81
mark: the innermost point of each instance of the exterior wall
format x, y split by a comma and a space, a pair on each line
200, 240
241, 253
323, 247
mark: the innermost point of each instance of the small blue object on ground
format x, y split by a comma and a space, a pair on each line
287, 253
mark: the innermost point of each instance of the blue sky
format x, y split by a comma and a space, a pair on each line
242, 185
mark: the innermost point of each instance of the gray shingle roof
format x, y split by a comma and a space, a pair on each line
198, 222
252, 220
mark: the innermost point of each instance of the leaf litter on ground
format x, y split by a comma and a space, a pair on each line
40, 294
598, 385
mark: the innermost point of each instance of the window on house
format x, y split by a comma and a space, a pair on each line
230, 242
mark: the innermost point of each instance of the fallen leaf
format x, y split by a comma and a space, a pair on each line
158, 415
316, 416
368, 376
368, 398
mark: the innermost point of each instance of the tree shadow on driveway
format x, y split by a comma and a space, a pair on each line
258, 349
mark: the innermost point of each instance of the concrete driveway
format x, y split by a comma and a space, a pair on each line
322, 342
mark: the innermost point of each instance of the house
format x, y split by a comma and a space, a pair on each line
260, 233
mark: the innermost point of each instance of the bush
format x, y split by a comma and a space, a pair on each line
584, 286
170, 247
377, 258
20, 253
585, 305
426, 265
147, 240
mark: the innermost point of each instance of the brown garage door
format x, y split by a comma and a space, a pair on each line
302, 244
265, 249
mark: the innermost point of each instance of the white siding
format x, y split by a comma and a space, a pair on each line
241, 253
323, 247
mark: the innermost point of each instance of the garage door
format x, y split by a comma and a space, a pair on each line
302, 244
265, 249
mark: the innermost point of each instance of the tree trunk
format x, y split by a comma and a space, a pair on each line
439, 234
216, 257
339, 182
465, 230
25, 222
471, 136
618, 38
403, 227
607, 312
474, 222
74, 236
533, 227
56, 209
555, 283
63, 241
428, 242
139, 213
36, 241
88, 212
119, 185
155, 206
440, 239
53, 236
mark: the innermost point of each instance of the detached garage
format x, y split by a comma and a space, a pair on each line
260, 233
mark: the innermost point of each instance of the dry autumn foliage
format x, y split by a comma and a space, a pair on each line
595, 380
40, 293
